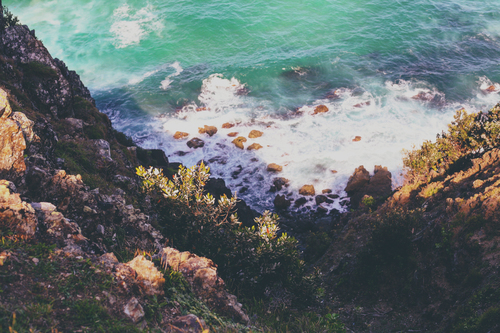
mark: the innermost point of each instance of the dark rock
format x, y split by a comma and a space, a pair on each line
300, 202
379, 186
195, 143
321, 198
280, 202
152, 157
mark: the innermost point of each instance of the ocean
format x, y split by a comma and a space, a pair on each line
391, 72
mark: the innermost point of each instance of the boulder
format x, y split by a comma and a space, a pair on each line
227, 125
201, 274
180, 135
255, 134
273, 167
320, 109
16, 214
25, 125
300, 202
210, 130
307, 190
195, 143
280, 202
254, 146
5, 109
278, 184
151, 280
103, 148
238, 142
321, 199
357, 138
133, 310
232, 134
378, 186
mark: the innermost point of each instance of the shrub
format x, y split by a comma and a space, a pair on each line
9, 19
467, 135
253, 258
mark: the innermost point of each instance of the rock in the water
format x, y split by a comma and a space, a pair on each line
210, 130
280, 202
320, 109
238, 142
254, 146
326, 191
356, 138
255, 134
195, 143
321, 199
300, 202
278, 184
232, 134
227, 125
307, 190
491, 88
273, 167
180, 135
133, 310
358, 180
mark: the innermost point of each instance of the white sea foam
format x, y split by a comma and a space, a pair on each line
165, 84
130, 28
309, 146
139, 79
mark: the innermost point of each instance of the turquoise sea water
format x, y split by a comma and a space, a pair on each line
392, 72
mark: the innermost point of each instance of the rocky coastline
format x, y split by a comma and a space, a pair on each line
422, 257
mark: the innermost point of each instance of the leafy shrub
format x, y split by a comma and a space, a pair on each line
9, 19
253, 258
467, 135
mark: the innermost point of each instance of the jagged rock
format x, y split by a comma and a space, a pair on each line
16, 214
76, 124
188, 324
12, 142
255, 134
307, 190
300, 202
5, 109
151, 279
238, 142
280, 202
195, 143
273, 167
180, 135
133, 310
326, 191
320, 109
210, 130
279, 183
254, 146
25, 125
201, 273
56, 226
103, 148
378, 186
321, 199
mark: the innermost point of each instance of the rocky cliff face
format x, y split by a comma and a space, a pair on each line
67, 184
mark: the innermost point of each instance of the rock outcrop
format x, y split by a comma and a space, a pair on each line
378, 186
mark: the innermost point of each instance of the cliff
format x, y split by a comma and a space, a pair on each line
84, 248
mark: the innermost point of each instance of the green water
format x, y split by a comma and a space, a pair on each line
146, 62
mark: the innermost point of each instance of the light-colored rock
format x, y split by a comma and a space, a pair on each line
320, 109
12, 145
255, 134
227, 125
16, 214
103, 148
5, 109
254, 146
238, 142
232, 134
151, 280
133, 310
307, 190
273, 167
25, 125
210, 130
180, 135
357, 138
187, 324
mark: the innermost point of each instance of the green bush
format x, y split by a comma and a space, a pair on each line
252, 258
9, 19
467, 135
